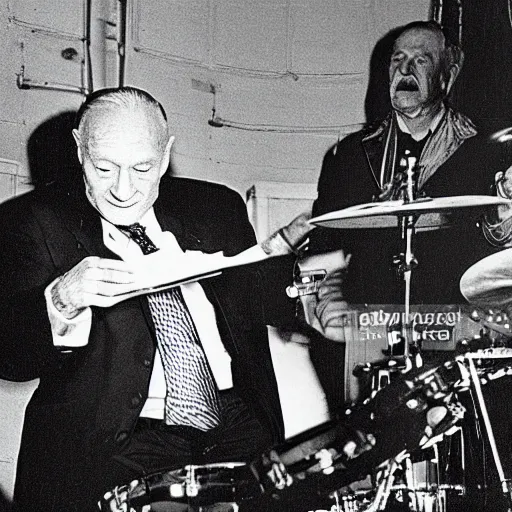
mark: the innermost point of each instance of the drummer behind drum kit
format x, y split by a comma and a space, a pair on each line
394, 451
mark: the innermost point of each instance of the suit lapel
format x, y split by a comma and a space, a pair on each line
187, 234
84, 222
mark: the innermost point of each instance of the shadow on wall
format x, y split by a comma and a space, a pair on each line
52, 153
52, 158
377, 103
5, 504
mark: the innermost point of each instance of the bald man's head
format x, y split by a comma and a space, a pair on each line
127, 104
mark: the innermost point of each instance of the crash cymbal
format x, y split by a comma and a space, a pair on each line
432, 212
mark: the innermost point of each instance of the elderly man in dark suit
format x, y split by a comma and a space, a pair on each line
132, 386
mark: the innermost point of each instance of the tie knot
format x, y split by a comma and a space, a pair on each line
134, 229
137, 233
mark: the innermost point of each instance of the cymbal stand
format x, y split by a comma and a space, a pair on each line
407, 228
407, 236
404, 263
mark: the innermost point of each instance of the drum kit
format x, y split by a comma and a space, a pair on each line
408, 446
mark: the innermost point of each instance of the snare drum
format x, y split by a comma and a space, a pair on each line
213, 487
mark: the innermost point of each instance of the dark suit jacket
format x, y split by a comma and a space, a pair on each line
88, 400
348, 178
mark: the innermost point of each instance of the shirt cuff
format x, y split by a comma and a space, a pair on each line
67, 333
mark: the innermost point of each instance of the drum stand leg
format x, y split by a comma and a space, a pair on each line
440, 494
505, 482
385, 479
406, 329
410, 484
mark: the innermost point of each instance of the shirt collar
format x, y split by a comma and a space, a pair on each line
149, 221
421, 135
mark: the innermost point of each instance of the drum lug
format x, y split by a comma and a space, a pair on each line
192, 486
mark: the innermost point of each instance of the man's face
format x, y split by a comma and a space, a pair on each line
417, 86
123, 165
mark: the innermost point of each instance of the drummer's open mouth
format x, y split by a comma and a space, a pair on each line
407, 84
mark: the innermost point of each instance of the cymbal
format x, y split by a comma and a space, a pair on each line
504, 135
432, 212
488, 283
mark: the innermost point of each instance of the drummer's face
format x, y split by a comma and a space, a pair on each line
416, 82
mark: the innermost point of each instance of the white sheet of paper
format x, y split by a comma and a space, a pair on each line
156, 274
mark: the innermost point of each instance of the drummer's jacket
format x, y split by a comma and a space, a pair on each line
454, 160
88, 399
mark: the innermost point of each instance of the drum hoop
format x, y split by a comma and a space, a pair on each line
216, 465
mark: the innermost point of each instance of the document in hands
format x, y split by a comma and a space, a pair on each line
157, 272
170, 267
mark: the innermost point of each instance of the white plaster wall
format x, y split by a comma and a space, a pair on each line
291, 74
13, 400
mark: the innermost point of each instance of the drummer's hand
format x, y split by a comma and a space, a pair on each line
332, 315
503, 181
118, 499
362, 443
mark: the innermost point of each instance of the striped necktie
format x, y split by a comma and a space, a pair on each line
191, 398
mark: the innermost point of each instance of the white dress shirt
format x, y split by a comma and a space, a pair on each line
75, 332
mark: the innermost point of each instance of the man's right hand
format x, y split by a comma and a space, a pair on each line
92, 282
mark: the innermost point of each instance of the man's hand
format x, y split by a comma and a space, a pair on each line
326, 311
503, 181
331, 314
92, 282
497, 225
288, 238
